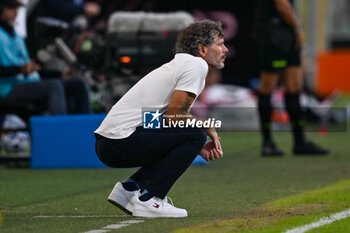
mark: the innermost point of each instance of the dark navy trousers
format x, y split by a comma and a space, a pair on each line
163, 155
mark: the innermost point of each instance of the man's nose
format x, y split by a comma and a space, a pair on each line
225, 50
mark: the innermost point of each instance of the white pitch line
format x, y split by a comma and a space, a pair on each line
321, 222
115, 226
97, 231
83, 216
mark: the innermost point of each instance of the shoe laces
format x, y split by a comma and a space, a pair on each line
167, 199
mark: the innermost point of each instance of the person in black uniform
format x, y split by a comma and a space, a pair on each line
279, 42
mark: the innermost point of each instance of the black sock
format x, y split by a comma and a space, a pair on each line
265, 110
145, 196
130, 186
296, 116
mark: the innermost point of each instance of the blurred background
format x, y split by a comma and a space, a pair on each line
91, 37
111, 44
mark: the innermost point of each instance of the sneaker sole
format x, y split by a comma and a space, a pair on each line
119, 206
121, 202
147, 214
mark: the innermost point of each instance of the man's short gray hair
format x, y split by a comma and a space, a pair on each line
203, 32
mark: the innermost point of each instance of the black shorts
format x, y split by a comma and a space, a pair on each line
276, 48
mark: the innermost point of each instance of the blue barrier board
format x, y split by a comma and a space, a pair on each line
64, 141
67, 141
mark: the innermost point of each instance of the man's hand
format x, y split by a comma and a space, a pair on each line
211, 132
209, 151
29, 68
179, 104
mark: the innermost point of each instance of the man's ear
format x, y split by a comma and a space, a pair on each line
202, 50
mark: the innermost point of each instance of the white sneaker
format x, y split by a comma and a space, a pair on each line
121, 198
156, 208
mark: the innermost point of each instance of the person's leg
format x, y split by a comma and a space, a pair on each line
77, 96
293, 86
268, 82
164, 155
159, 177
47, 92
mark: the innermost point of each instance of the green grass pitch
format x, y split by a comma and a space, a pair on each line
234, 194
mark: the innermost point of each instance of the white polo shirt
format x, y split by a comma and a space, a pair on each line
185, 72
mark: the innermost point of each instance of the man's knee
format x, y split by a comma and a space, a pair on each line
198, 136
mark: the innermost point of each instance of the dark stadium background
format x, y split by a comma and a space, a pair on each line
240, 66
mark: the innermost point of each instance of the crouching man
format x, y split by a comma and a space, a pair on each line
163, 154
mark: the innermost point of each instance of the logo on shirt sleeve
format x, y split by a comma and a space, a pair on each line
152, 119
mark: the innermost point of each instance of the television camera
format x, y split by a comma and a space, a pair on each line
111, 63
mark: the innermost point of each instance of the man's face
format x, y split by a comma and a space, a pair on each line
216, 53
9, 14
